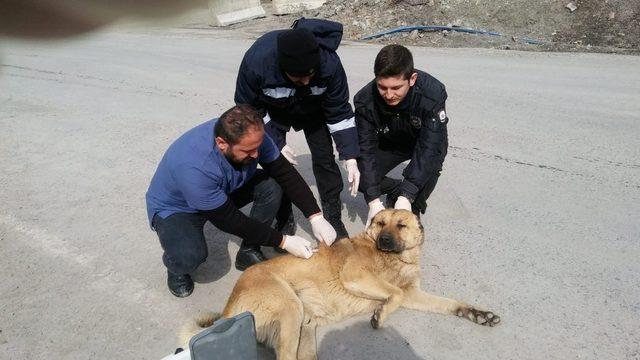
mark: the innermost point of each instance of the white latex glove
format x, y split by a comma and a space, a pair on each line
297, 246
289, 154
353, 175
375, 206
402, 204
322, 230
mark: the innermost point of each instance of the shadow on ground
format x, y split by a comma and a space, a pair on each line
219, 261
358, 341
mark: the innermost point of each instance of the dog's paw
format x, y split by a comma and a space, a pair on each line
376, 318
484, 318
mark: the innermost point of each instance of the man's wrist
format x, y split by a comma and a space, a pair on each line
375, 202
315, 215
407, 197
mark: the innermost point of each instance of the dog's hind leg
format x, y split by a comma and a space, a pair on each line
416, 299
307, 348
288, 323
277, 310
286, 317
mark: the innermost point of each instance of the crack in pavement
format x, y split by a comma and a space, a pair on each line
459, 152
102, 83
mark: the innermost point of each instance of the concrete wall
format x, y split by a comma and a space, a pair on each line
291, 6
227, 12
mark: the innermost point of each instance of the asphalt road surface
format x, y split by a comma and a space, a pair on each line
535, 216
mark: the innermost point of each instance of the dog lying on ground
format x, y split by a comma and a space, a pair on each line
375, 272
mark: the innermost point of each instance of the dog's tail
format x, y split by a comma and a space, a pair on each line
196, 325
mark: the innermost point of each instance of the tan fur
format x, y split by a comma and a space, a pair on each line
290, 296
193, 327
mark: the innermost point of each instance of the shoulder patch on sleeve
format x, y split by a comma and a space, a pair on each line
442, 115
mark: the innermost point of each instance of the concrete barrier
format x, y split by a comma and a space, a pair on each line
227, 12
290, 6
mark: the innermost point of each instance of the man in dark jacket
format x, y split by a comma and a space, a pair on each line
207, 175
400, 116
295, 79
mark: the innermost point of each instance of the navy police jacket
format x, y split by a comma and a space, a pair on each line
264, 86
419, 132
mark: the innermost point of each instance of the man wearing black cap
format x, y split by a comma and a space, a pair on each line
295, 79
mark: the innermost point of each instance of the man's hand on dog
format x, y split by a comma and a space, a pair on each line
402, 204
322, 230
375, 206
297, 246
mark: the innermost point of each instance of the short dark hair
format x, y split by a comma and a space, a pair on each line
393, 60
235, 123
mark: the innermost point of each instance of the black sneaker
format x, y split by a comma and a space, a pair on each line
390, 201
248, 256
332, 211
341, 231
179, 285
393, 193
288, 226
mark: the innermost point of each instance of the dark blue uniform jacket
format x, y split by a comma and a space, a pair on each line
419, 132
263, 85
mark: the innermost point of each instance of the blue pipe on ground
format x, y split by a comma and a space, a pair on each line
449, 28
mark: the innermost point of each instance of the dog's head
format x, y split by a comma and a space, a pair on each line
396, 230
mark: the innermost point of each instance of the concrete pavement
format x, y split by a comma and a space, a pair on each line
535, 216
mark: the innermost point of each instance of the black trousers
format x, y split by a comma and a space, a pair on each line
181, 234
325, 169
387, 161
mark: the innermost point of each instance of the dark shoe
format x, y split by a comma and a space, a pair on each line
332, 211
286, 227
392, 190
419, 206
341, 231
248, 256
180, 285
390, 201
418, 210
280, 250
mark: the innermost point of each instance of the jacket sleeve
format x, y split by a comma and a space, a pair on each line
229, 219
368, 143
428, 154
248, 87
293, 185
339, 115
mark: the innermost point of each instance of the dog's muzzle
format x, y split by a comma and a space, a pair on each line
386, 242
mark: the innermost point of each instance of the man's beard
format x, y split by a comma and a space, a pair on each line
235, 161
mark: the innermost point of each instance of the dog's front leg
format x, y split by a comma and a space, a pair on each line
416, 299
366, 285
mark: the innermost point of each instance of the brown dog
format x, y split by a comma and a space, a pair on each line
374, 272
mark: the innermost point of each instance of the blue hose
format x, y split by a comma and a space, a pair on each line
441, 28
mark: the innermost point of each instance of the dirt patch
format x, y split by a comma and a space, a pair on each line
594, 25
